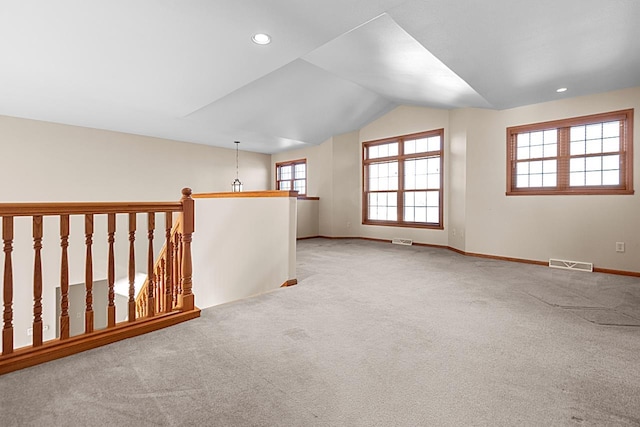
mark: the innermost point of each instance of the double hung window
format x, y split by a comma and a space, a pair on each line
292, 175
403, 183
584, 155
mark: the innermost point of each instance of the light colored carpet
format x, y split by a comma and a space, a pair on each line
373, 335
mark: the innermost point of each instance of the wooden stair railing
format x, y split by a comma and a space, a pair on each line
167, 275
168, 297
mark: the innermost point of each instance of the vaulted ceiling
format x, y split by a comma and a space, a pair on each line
188, 69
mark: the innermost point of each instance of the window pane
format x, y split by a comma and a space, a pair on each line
433, 215
410, 147
551, 136
523, 153
419, 204
522, 168
577, 133
594, 146
393, 175
577, 148
611, 178
409, 213
549, 180
593, 163
523, 140
285, 172
576, 165
576, 179
433, 198
522, 181
422, 173
285, 185
300, 171
610, 145
433, 165
611, 162
433, 181
611, 129
536, 151
383, 206
536, 138
594, 131
421, 166
550, 166
593, 178
383, 150
535, 180
433, 143
392, 214
383, 176
535, 167
299, 186
550, 150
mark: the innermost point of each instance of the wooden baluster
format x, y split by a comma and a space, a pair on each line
7, 329
88, 277
188, 227
111, 271
64, 277
37, 281
132, 267
168, 277
160, 287
176, 269
150, 270
180, 252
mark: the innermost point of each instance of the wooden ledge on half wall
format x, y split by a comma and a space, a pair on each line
255, 194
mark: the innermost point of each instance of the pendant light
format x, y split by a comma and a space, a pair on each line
236, 185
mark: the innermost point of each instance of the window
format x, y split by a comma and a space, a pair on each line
292, 175
584, 155
403, 183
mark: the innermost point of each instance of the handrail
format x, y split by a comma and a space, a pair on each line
78, 208
178, 306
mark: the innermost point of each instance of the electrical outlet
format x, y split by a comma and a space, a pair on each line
461, 233
454, 232
619, 246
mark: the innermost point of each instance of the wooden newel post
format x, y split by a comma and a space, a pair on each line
188, 227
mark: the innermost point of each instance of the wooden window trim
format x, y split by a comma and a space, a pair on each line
563, 188
293, 163
400, 159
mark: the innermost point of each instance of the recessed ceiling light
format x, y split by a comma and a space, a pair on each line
562, 89
261, 38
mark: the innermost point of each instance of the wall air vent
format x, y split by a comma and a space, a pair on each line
406, 242
570, 265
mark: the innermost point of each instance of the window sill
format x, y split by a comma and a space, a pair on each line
582, 192
404, 224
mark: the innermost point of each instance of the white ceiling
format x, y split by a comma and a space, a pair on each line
188, 70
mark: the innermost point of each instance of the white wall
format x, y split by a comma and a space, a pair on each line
52, 162
238, 253
44, 161
485, 220
308, 218
580, 228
